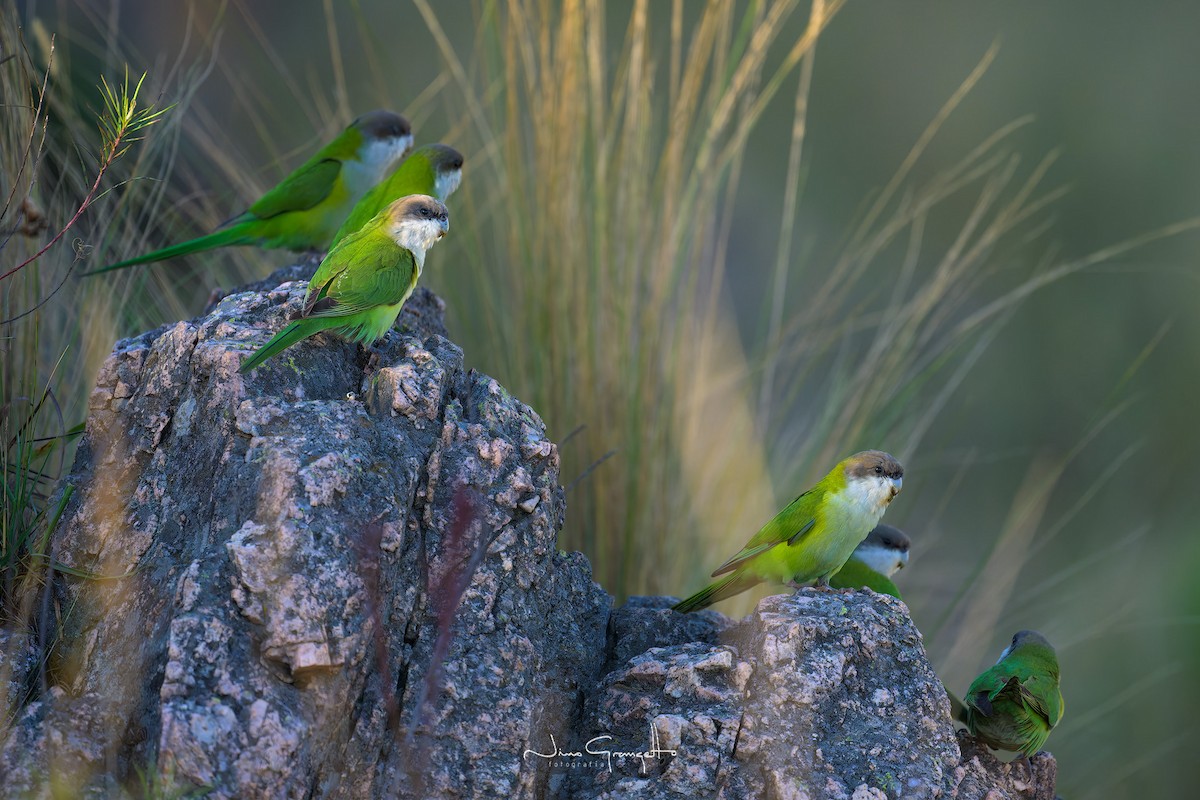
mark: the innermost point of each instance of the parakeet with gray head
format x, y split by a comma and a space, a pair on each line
306, 208
873, 563
814, 535
360, 287
432, 169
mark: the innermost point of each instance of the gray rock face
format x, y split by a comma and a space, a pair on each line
282, 549
815, 695
337, 577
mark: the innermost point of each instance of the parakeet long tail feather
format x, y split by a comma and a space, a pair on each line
717, 590
222, 238
292, 333
957, 710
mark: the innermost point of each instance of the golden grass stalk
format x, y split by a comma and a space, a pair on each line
594, 241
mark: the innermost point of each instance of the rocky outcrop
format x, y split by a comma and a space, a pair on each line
338, 577
814, 695
281, 550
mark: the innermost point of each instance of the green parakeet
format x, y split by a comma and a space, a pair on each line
873, 563
306, 208
360, 287
1015, 704
432, 169
815, 534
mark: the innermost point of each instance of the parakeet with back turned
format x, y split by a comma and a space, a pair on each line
1016, 703
307, 207
815, 534
362, 284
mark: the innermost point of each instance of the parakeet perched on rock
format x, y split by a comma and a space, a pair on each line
815, 534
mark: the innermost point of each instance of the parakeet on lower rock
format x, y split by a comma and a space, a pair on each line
1016, 703
814, 535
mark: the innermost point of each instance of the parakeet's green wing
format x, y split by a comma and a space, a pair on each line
1055, 707
300, 191
1043, 697
987, 687
790, 525
337, 261
362, 286
1038, 690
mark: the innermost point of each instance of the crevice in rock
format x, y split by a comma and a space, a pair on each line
737, 737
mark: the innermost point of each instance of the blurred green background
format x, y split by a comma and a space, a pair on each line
1051, 490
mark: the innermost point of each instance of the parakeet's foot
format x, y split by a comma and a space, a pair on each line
1028, 768
376, 351
374, 359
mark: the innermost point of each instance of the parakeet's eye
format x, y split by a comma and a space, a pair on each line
878, 470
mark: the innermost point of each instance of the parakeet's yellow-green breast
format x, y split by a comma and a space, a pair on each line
1015, 704
432, 169
307, 207
360, 287
873, 563
815, 534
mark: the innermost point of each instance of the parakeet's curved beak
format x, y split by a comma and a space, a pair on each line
903, 560
897, 485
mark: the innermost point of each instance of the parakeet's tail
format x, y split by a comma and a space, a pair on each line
225, 237
958, 711
292, 333
717, 590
